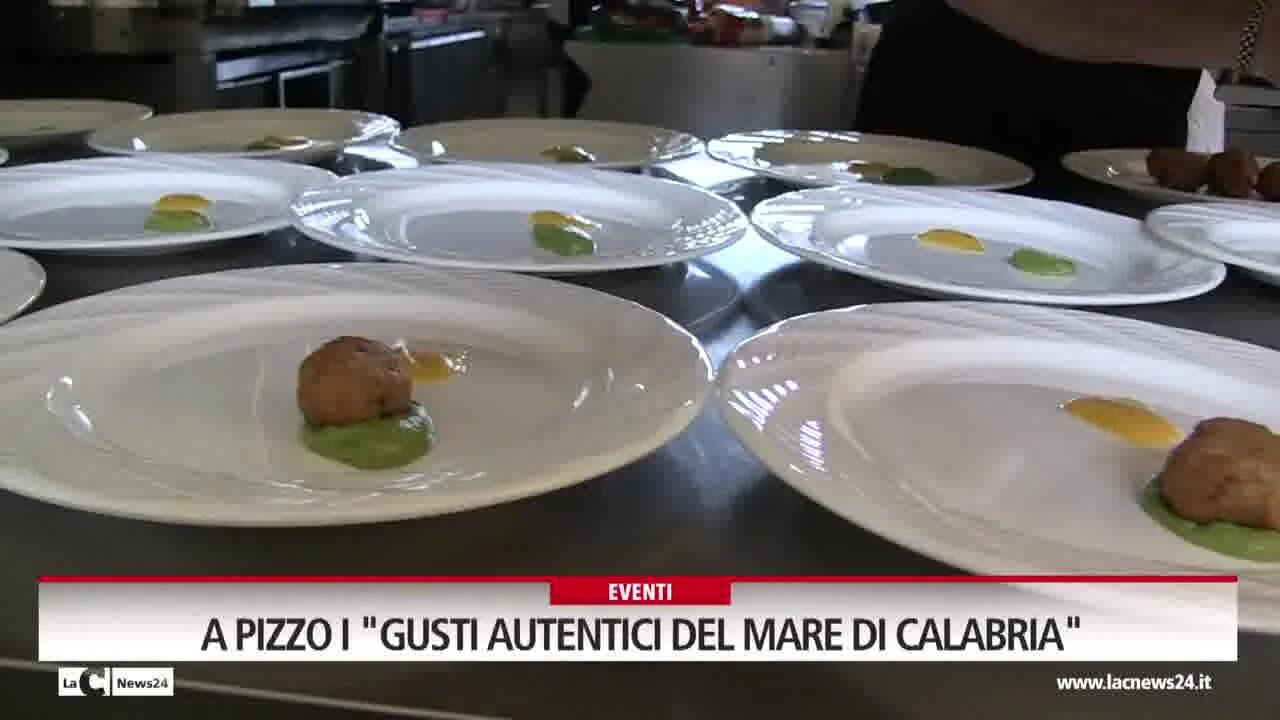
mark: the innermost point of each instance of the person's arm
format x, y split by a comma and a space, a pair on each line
1170, 33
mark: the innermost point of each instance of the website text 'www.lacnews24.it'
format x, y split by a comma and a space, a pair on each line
1177, 682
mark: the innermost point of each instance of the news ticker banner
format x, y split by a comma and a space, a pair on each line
538, 619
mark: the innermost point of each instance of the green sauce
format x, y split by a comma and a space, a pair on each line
1035, 262
563, 240
1221, 537
273, 142
176, 221
568, 154
910, 176
374, 444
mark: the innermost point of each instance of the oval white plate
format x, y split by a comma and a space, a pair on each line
30, 123
1126, 168
522, 140
1247, 236
175, 401
869, 231
100, 205
870, 412
477, 216
228, 132
813, 158
21, 282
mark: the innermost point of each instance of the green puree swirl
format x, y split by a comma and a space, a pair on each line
563, 240
1226, 538
176, 221
380, 444
1035, 262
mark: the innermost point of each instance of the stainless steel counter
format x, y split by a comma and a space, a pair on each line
701, 505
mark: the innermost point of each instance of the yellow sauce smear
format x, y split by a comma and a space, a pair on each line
952, 240
432, 367
181, 202
1126, 419
559, 219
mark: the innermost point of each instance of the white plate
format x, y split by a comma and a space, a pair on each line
869, 230
31, 123
870, 412
814, 159
175, 401
477, 216
21, 282
228, 132
1127, 169
100, 205
1247, 236
522, 140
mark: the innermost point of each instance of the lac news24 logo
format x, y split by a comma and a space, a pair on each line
117, 682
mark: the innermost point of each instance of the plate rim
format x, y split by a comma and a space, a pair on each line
1026, 176
672, 421
1076, 163
162, 241
1217, 271
741, 222
141, 112
38, 274
689, 144
1211, 252
385, 125
886, 524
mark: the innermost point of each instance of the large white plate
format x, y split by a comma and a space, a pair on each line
1126, 168
522, 140
228, 132
175, 401
31, 123
477, 216
1247, 236
100, 205
815, 158
21, 282
870, 412
869, 230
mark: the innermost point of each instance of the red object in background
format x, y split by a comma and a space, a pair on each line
739, 25
431, 16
